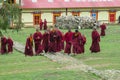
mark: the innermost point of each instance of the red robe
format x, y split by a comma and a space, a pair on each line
28, 47
62, 42
53, 41
3, 45
95, 47
45, 42
59, 40
68, 39
76, 41
83, 43
45, 25
37, 40
10, 45
103, 28
41, 24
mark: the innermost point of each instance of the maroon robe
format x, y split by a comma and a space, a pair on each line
68, 39
41, 24
103, 28
62, 42
59, 40
53, 41
45, 42
10, 45
3, 45
95, 47
83, 43
45, 24
28, 47
76, 41
37, 40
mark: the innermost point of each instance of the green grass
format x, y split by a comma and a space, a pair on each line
18, 67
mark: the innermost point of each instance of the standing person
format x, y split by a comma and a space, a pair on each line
10, 45
83, 42
45, 24
95, 47
41, 24
58, 39
29, 46
62, 41
68, 40
45, 42
3, 45
53, 41
37, 36
103, 28
76, 41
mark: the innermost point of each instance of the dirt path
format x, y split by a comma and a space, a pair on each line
73, 63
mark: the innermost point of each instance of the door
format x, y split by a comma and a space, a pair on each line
112, 16
36, 19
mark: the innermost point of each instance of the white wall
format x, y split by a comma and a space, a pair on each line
27, 18
48, 17
84, 14
103, 15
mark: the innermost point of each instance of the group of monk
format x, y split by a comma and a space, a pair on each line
6, 45
43, 24
52, 41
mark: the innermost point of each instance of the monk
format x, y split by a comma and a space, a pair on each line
76, 41
58, 40
10, 45
53, 41
62, 41
41, 24
29, 46
3, 45
68, 40
45, 42
103, 28
83, 42
45, 24
95, 47
37, 36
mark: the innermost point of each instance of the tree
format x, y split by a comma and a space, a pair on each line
10, 13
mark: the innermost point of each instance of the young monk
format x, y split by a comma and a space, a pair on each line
10, 45
95, 47
29, 46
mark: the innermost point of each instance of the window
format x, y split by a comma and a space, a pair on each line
67, 0
50, 0
36, 18
56, 14
34, 0
94, 14
76, 13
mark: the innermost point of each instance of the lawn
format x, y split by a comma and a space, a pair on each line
17, 66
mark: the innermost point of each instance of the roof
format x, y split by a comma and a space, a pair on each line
69, 3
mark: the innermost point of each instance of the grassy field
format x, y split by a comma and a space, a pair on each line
18, 67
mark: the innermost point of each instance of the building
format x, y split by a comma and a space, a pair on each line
107, 11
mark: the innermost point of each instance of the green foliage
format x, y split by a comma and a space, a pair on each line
9, 13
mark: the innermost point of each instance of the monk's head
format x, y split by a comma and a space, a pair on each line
94, 28
37, 30
76, 30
